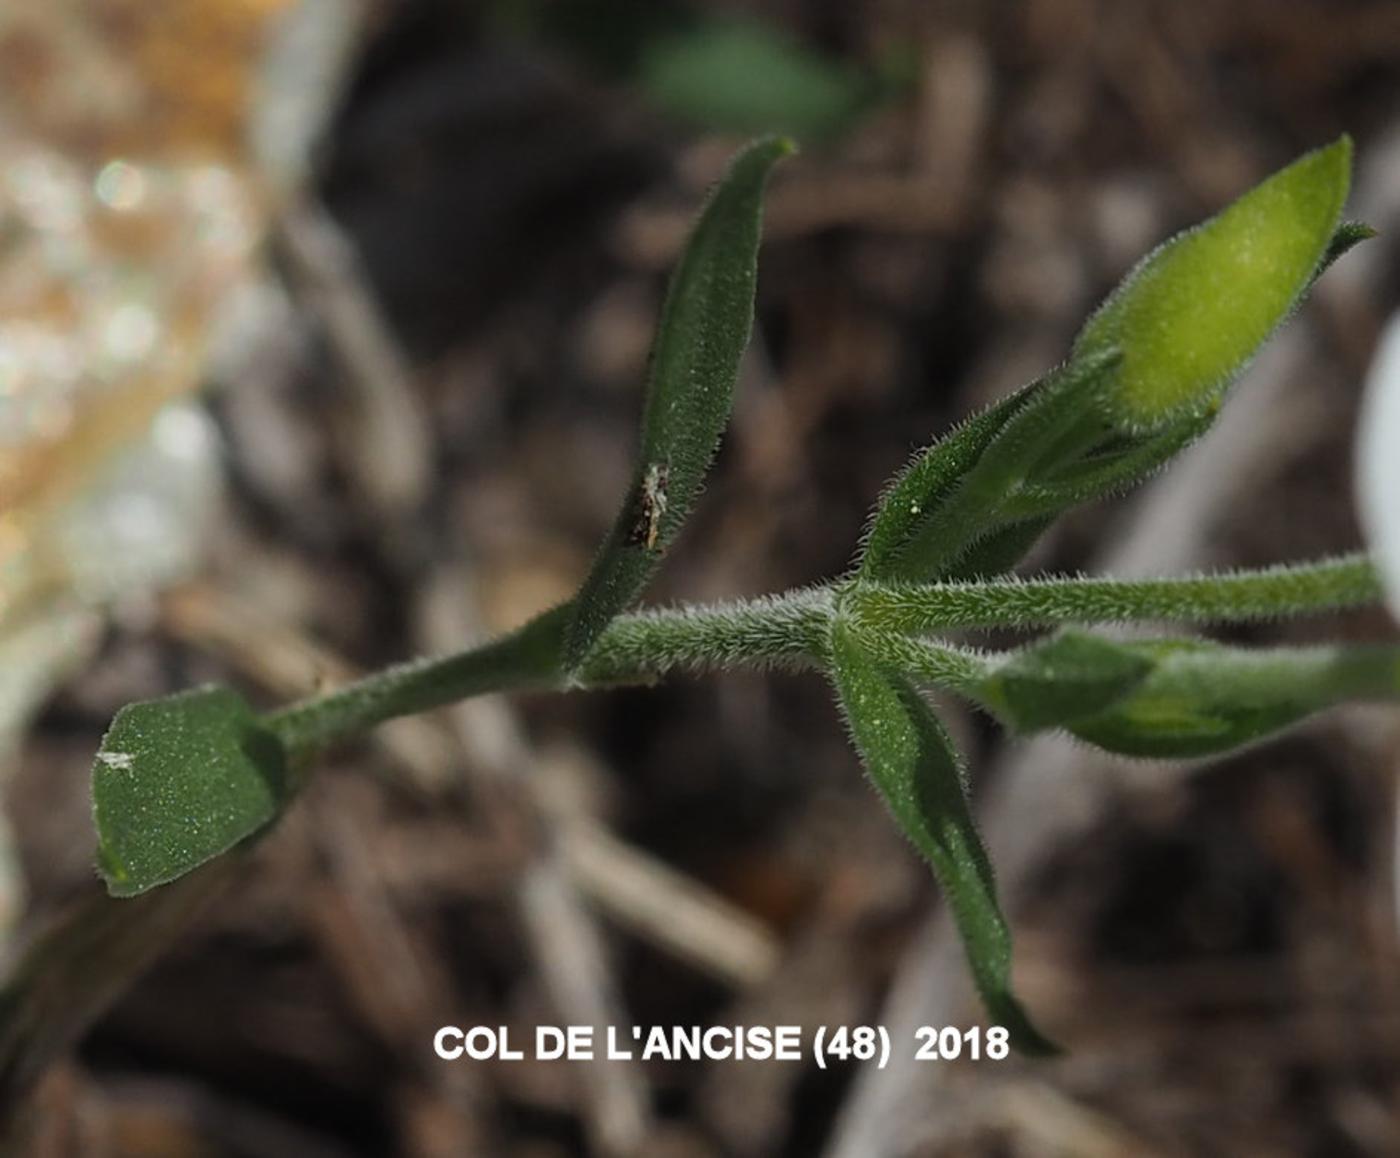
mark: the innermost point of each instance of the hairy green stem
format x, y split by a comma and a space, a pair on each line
1347, 581
788, 630
936, 665
524, 659
792, 630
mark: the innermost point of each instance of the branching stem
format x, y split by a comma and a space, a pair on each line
792, 631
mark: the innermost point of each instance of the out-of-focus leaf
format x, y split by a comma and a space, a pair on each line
915, 768
1067, 677
1192, 313
701, 336
177, 781
747, 77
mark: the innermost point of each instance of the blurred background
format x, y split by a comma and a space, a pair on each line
321, 344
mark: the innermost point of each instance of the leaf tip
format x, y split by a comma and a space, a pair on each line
1332, 165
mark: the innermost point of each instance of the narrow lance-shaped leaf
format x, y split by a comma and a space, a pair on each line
1193, 312
920, 488
1100, 475
700, 339
178, 781
971, 506
913, 765
1202, 698
999, 550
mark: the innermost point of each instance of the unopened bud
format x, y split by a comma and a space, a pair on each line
1190, 316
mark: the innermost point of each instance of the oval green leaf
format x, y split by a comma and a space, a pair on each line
177, 781
916, 770
1193, 312
704, 327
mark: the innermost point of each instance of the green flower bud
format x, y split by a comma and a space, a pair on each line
1192, 313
